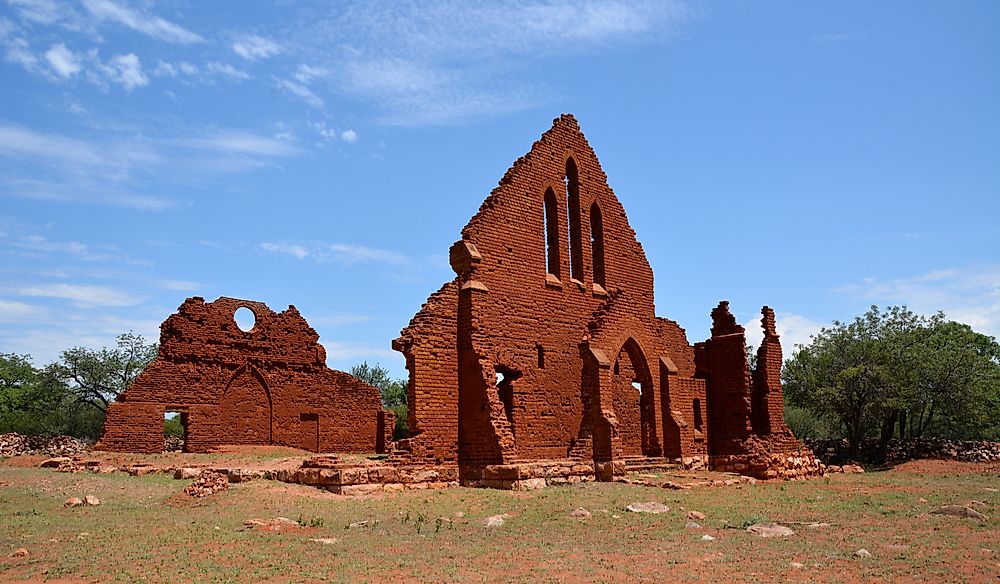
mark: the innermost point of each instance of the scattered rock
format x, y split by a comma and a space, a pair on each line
796, 565
208, 483
770, 530
91, 500
852, 469
73, 502
692, 525
359, 524
834, 450
20, 553
696, 516
495, 520
863, 553
977, 505
650, 507
959, 511
922, 500
707, 537
187, 473
55, 462
579, 512
276, 524
459, 514
324, 540
817, 525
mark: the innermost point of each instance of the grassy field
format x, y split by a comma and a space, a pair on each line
146, 529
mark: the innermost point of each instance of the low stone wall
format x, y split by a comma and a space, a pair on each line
835, 450
14, 444
534, 474
328, 472
799, 465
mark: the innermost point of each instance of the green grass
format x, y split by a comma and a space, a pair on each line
145, 530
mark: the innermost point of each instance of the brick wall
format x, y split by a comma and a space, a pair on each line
269, 385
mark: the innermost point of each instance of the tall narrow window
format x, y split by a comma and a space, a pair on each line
541, 356
597, 243
572, 180
697, 414
551, 233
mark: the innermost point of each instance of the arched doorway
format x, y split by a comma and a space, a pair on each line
632, 397
246, 409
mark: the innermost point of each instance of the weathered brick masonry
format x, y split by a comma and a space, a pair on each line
268, 385
546, 346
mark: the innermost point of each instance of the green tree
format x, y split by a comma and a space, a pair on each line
97, 377
393, 392
34, 401
955, 383
895, 368
849, 372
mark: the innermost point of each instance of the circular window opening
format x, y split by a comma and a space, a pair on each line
245, 319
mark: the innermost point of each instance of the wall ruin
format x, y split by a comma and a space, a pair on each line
266, 386
546, 346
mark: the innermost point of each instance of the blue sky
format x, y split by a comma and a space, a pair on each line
813, 156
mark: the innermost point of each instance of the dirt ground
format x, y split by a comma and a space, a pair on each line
144, 529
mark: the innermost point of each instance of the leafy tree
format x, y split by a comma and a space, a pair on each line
97, 377
393, 392
34, 401
955, 382
895, 368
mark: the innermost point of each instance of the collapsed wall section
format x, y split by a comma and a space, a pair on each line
268, 385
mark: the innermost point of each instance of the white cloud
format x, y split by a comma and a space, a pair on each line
793, 330
12, 311
179, 285
440, 61
39, 11
226, 70
80, 294
253, 47
148, 24
126, 70
306, 73
339, 253
968, 294
63, 60
299, 90
17, 50
349, 136
240, 142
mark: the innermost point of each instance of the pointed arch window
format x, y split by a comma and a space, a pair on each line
572, 180
551, 211
597, 243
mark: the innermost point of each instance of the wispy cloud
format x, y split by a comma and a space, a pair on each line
140, 21
340, 253
63, 61
13, 311
179, 285
301, 91
440, 62
968, 294
240, 142
35, 245
80, 294
793, 330
125, 70
253, 47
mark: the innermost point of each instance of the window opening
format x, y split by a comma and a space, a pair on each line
572, 182
697, 414
597, 243
551, 211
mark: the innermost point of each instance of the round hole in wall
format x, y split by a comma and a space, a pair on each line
245, 319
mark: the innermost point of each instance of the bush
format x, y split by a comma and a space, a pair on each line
806, 425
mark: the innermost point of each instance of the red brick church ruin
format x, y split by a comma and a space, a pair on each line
541, 362
545, 349
266, 386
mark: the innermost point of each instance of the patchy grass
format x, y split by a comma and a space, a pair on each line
145, 530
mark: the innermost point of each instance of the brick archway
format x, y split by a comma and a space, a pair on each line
633, 401
245, 408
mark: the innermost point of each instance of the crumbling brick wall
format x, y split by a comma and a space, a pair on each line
268, 385
546, 344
